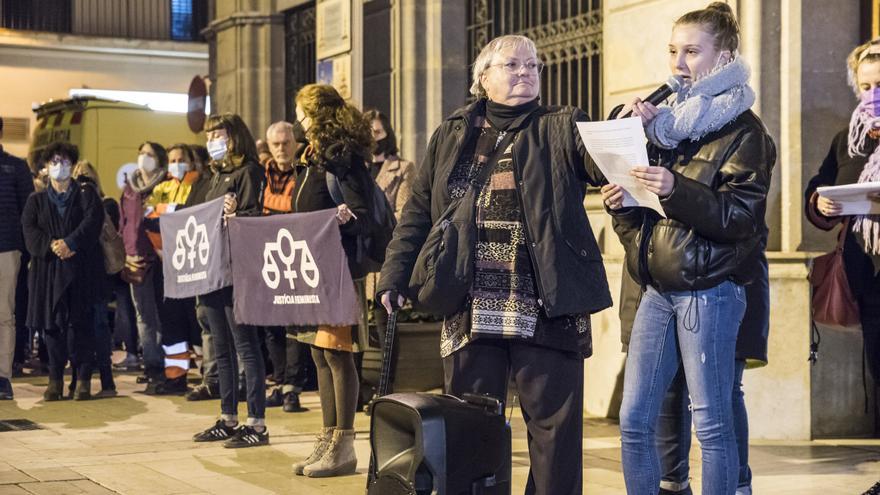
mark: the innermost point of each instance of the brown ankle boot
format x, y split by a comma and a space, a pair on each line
55, 391
321, 443
338, 460
83, 390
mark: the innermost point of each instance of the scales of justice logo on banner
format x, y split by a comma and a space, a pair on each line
196, 251
284, 269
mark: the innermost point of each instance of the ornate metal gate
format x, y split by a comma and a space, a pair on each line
568, 34
299, 34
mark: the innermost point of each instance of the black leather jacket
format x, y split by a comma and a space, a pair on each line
551, 169
715, 213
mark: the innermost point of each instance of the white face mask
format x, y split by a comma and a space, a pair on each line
178, 170
146, 164
59, 170
217, 148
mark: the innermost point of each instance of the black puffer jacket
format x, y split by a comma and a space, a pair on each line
715, 212
551, 168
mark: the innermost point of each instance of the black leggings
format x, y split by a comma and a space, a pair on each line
337, 386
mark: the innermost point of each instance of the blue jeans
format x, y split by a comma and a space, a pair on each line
147, 298
696, 330
231, 340
674, 435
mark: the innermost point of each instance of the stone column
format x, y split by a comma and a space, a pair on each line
247, 63
429, 76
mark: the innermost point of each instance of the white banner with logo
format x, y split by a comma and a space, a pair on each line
196, 250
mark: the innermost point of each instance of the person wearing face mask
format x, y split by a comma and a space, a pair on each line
85, 175
854, 157
536, 271
285, 144
706, 149
238, 178
61, 226
142, 268
339, 141
394, 176
177, 316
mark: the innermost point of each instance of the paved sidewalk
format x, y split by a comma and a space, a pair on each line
137, 444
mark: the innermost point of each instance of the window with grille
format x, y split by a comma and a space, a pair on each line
568, 34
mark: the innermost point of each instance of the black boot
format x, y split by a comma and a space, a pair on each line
55, 391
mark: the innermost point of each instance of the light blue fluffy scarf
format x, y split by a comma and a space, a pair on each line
703, 107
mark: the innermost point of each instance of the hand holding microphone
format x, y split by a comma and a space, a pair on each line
647, 108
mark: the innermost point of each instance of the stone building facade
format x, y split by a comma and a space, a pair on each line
410, 58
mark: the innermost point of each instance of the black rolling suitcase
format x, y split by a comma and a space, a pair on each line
428, 444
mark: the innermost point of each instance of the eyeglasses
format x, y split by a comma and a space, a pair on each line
59, 161
516, 67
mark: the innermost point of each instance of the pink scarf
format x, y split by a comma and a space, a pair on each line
865, 119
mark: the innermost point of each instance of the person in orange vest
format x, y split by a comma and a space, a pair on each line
178, 316
286, 143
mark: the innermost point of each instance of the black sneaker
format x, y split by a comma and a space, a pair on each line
215, 433
174, 386
275, 399
202, 392
291, 403
5, 389
247, 436
874, 490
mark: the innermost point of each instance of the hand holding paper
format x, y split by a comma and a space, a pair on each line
853, 199
618, 146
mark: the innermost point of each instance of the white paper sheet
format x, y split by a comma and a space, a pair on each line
617, 146
853, 197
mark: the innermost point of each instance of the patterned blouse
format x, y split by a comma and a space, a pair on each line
504, 300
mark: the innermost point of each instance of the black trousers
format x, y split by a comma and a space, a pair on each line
869, 312
76, 343
287, 356
179, 323
551, 389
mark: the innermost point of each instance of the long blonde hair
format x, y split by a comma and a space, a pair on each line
84, 168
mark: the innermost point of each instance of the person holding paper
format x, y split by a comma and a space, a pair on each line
854, 157
711, 161
536, 268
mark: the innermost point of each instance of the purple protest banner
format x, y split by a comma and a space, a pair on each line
291, 270
196, 250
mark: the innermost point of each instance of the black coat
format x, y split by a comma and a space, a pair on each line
741, 151
240, 176
839, 169
311, 194
551, 168
16, 184
715, 212
61, 292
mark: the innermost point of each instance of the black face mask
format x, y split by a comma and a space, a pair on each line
383, 147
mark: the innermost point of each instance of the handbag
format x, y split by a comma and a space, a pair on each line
444, 269
112, 246
833, 303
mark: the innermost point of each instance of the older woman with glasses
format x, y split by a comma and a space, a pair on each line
536, 271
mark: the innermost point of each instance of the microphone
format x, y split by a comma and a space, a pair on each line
672, 85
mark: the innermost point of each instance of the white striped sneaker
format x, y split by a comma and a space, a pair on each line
215, 433
247, 436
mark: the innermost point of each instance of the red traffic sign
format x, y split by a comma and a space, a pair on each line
198, 98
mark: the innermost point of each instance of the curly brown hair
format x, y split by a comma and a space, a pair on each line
334, 122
